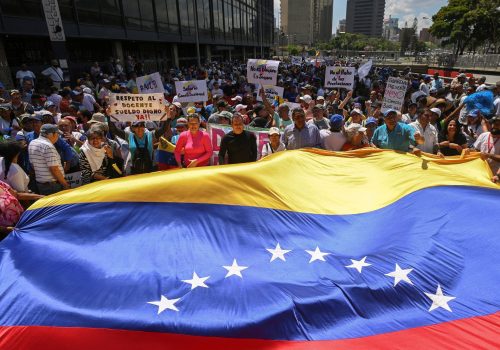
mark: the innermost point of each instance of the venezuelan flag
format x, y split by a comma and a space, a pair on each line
303, 250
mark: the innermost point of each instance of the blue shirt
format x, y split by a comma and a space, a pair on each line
294, 138
398, 139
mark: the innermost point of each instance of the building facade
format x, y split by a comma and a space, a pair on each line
391, 29
305, 22
365, 17
342, 27
160, 33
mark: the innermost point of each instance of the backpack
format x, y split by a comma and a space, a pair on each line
141, 162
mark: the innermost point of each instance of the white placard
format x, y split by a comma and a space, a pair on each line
262, 71
74, 179
150, 84
191, 91
292, 106
339, 77
53, 19
271, 92
133, 107
297, 60
394, 95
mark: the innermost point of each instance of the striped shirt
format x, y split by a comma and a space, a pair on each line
42, 155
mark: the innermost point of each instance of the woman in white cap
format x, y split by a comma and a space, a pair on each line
356, 138
274, 145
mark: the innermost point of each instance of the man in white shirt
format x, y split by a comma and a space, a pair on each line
424, 86
23, 73
55, 73
333, 139
426, 135
482, 84
217, 90
46, 162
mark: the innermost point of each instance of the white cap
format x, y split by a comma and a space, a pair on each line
177, 104
87, 90
320, 98
240, 107
355, 128
306, 98
437, 111
274, 131
357, 110
237, 98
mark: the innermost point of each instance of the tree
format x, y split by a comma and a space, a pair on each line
293, 49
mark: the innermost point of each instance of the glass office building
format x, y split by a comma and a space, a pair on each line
159, 32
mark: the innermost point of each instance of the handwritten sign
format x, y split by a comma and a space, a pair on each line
271, 92
217, 132
149, 84
339, 77
53, 19
394, 95
296, 60
74, 179
262, 71
132, 107
191, 91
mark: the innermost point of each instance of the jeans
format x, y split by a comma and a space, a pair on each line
49, 188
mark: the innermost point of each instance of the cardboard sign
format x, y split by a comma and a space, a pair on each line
191, 91
217, 132
149, 84
271, 92
132, 107
394, 95
263, 72
54, 21
297, 60
339, 77
74, 179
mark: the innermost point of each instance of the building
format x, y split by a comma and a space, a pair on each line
365, 17
391, 29
426, 36
306, 22
161, 33
342, 27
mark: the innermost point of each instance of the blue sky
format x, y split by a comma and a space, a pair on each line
402, 9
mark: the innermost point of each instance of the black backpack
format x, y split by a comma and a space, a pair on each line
141, 162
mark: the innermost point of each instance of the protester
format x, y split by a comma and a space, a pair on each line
300, 134
10, 172
274, 145
55, 73
425, 134
334, 139
488, 144
451, 140
319, 120
356, 137
393, 135
195, 145
239, 144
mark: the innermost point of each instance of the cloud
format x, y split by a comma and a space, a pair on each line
407, 7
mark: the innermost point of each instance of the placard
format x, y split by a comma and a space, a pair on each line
191, 91
53, 19
297, 60
339, 77
394, 95
132, 107
271, 92
149, 84
262, 71
74, 179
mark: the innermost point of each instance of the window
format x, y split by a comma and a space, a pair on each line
88, 11
147, 15
111, 12
132, 13
29, 8
66, 9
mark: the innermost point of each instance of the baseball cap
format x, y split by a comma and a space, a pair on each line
49, 129
474, 113
306, 98
226, 114
97, 118
436, 111
462, 75
71, 118
237, 98
389, 111
356, 111
240, 107
274, 131
336, 121
14, 91
371, 120
355, 128
318, 106
181, 122
320, 98
177, 104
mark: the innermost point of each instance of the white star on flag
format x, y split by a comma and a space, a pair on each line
234, 269
400, 275
317, 255
358, 264
278, 253
197, 281
164, 303
439, 300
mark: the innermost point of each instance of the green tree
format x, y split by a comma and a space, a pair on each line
293, 49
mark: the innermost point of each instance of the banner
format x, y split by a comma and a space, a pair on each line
297, 60
191, 91
262, 71
149, 84
365, 69
271, 92
395, 92
132, 107
339, 77
53, 19
217, 132
74, 179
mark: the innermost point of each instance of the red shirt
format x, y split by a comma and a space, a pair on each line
198, 146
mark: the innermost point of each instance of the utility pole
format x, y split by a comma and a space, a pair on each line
198, 58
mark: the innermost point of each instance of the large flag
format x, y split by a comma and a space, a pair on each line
303, 250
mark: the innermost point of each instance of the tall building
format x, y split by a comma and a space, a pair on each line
161, 33
365, 17
342, 26
307, 21
391, 29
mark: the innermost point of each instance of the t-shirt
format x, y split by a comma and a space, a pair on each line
268, 149
88, 102
398, 139
320, 124
241, 148
16, 178
54, 73
42, 155
447, 151
332, 141
488, 144
430, 135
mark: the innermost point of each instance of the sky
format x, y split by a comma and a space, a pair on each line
405, 10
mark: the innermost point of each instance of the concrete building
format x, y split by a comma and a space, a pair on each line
426, 36
160, 33
365, 17
391, 29
342, 27
306, 22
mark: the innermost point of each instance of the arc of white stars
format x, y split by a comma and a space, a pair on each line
358, 264
278, 253
439, 299
399, 275
234, 269
197, 281
317, 254
165, 304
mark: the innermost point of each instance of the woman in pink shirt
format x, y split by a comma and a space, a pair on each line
194, 144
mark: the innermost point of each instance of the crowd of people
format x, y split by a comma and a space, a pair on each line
65, 128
